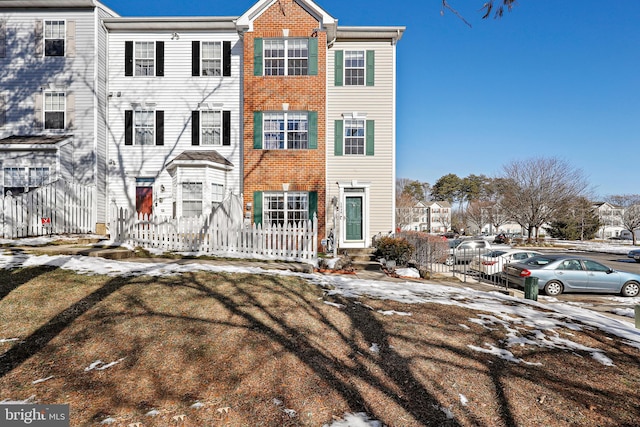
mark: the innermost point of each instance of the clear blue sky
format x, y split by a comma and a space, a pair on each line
553, 78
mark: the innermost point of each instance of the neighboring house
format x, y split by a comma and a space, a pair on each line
611, 219
361, 133
430, 217
52, 95
174, 114
439, 216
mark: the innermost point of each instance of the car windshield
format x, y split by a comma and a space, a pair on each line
495, 254
454, 242
538, 260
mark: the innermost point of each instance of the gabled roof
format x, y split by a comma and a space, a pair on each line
181, 23
245, 21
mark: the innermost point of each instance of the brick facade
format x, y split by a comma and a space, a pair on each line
303, 170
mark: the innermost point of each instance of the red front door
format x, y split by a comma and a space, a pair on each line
144, 200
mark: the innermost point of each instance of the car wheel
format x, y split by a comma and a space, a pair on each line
553, 288
450, 260
630, 289
638, 260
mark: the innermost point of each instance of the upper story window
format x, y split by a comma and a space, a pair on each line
286, 57
286, 130
211, 58
54, 33
144, 58
354, 68
54, 110
354, 136
211, 127
144, 126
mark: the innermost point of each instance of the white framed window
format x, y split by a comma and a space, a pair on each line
144, 54
54, 110
191, 199
211, 127
286, 130
354, 68
38, 177
281, 208
286, 57
144, 127
17, 180
54, 37
354, 136
217, 193
211, 58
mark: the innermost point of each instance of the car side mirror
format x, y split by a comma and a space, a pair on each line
611, 270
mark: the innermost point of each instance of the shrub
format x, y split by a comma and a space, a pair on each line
394, 249
429, 249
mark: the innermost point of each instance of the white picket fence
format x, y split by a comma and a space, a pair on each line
221, 233
57, 208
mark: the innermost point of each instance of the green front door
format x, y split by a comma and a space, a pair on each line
354, 218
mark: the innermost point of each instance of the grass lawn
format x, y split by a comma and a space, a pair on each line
205, 349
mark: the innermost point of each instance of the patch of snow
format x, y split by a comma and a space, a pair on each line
101, 366
359, 419
392, 312
628, 312
334, 304
109, 421
463, 399
197, 405
375, 348
42, 380
28, 400
152, 413
408, 272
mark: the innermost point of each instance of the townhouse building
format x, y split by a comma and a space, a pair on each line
169, 115
174, 97
53, 83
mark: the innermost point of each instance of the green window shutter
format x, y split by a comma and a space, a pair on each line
370, 138
339, 67
370, 67
338, 138
313, 204
257, 207
313, 130
257, 130
313, 56
257, 57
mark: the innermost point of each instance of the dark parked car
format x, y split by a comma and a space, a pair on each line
635, 254
563, 273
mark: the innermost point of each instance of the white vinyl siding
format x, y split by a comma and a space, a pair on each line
196, 94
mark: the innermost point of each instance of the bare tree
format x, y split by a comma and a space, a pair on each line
490, 6
404, 209
631, 220
536, 190
478, 212
631, 216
